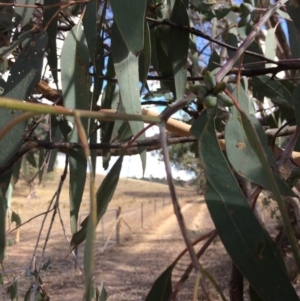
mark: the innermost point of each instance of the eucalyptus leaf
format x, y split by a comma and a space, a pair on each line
3, 207
15, 218
270, 45
129, 16
25, 12
162, 287
89, 22
248, 244
126, 68
104, 196
24, 75
179, 50
145, 58
272, 89
51, 31
76, 93
293, 9
296, 96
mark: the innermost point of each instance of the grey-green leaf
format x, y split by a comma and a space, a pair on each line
78, 165
248, 244
126, 68
240, 152
15, 218
145, 58
293, 8
129, 16
76, 92
296, 95
25, 12
266, 86
162, 287
104, 196
179, 50
3, 208
89, 22
51, 31
24, 75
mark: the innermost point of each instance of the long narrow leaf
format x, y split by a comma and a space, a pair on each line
248, 244
103, 196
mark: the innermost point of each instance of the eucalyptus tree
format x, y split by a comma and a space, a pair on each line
233, 68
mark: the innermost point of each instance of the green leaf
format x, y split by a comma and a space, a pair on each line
232, 40
241, 153
253, 294
76, 92
25, 12
8, 49
13, 291
126, 68
266, 86
145, 58
248, 244
89, 22
293, 35
179, 50
78, 165
3, 207
162, 287
16, 171
101, 294
31, 159
7, 15
270, 45
129, 16
24, 75
75, 71
249, 59
15, 218
104, 196
51, 31
293, 9
214, 61
163, 55
296, 96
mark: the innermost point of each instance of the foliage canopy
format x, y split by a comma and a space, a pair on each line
233, 68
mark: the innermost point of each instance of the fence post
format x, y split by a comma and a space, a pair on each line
118, 228
154, 207
142, 216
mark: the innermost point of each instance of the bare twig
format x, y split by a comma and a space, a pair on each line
187, 272
57, 194
242, 48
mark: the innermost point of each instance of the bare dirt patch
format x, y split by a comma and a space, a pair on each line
129, 269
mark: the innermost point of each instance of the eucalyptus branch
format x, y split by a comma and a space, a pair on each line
242, 48
201, 34
174, 198
150, 144
188, 270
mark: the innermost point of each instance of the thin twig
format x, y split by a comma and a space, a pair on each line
37, 276
68, 240
242, 48
29, 220
187, 272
